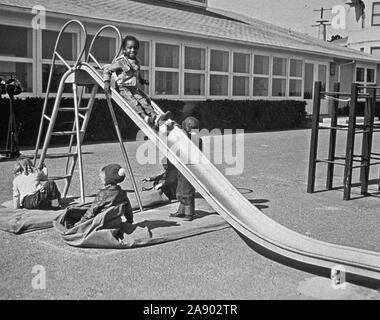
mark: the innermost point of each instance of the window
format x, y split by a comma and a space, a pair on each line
144, 56
261, 76
67, 46
322, 75
16, 55
308, 81
279, 72
375, 51
219, 71
241, 71
104, 49
376, 14
295, 78
219, 61
167, 69
195, 70
365, 76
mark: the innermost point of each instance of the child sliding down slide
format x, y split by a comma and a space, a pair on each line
127, 69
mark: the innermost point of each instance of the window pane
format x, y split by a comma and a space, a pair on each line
144, 75
219, 61
375, 51
22, 71
295, 88
322, 75
376, 8
278, 87
360, 74
167, 56
241, 62
218, 85
295, 68
67, 46
166, 83
104, 48
241, 86
260, 87
195, 58
308, 81
279, 66
16, 42
371, 75
376, 20
143, 54
58, 72
194, 84
261, 65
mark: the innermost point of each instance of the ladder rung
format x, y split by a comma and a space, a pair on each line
59, 177
66, 133
46, 117
81, 115
72, 109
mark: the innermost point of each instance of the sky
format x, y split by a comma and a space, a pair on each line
295, 14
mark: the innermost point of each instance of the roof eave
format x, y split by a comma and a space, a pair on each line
193, 34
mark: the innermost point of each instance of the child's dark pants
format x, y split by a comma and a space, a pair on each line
43, 197
133, 96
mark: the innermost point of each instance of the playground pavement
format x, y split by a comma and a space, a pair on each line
217, 265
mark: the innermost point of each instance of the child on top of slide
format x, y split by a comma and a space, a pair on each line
127, 68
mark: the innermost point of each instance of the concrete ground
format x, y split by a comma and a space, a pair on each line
216, 265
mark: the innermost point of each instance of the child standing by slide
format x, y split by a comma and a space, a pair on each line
127, 69
185, 191
31, 189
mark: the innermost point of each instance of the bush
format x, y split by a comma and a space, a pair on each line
360, 111
254, 115
225, 114
100, 127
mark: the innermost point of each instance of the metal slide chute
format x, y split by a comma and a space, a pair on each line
241, 214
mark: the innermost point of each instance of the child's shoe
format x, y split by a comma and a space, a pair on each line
180, 212
188, 213
161, 119
56, 204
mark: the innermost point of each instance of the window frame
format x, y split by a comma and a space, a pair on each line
41, 61
297, 78
164, 69
25, 60
373, 24
366, 68
204, 72
240, 74
265, 76
220, 73
274, 77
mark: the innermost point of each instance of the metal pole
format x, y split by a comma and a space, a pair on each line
314, 137
347, 181
332, 143
79, 147
124, 152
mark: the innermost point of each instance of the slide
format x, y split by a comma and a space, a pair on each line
264, 234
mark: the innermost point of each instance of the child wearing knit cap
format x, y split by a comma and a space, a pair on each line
111, 194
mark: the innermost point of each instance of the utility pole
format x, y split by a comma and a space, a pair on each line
322, 23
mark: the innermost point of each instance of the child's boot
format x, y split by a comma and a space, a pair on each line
189, 210
161, 119
180, 212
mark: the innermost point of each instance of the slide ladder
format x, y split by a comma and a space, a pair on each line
79, 81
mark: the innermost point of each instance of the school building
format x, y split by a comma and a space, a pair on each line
189, 51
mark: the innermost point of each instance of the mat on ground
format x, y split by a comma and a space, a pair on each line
22, 220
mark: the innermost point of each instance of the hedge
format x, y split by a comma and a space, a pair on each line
255, 115
360, 110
